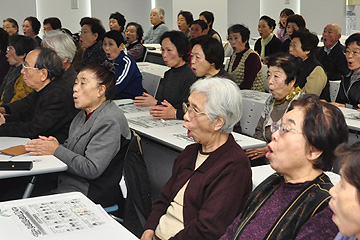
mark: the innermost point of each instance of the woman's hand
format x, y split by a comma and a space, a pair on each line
337, 104
147, 235
146, 100
42, 146
2, 119
163, 111
256, 153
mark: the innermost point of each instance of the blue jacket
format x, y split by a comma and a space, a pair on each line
128, 78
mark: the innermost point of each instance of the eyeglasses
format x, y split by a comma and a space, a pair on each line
191, 111
355, 53
282, 127
27, 68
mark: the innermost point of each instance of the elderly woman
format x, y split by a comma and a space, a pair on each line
174, 88
345, 202
117, 22
128, 81
31, 28
207, 57
245, 65
293, 202
13, 86
284, 70
208, 18
313, 78
159, 28
133, 36
268, 43
11, 26
97, 135
184, 21
211, 179
349, 92
91, 36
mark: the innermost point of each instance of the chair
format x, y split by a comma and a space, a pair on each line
150, 82
334, 89
265, 73
250, 117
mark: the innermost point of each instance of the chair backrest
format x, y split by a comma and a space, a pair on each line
150, 82
334, 89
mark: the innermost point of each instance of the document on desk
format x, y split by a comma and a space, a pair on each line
149, 122
352, 116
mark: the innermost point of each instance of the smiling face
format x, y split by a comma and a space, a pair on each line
131, 34
27, 29
277, 85
331, 35
170, 54
114, 25
236, 42
87, 37
111, 50
264, 29
346, 207
352, 54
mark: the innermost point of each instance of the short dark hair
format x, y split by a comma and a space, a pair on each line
4, 40
287, 62
95, 26
350, 163
353, 38
22, 44
324, 128
298, 20
105, 76
54, 22
188, 17
49, 60
244, 32
209, 16
13, 22
201, 23
270, 22
35, 24
287, 12
116, 36
139, 29
309, 41
119, 18
180, 41
212, 48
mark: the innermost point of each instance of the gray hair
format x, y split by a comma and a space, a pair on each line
61, 43
159, 11
223, 100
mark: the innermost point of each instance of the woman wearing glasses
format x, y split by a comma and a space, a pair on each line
293, 202
349, 92
211, 179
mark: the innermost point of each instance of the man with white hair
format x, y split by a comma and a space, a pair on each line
157, 20
331, 55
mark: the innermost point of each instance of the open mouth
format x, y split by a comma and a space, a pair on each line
269, 153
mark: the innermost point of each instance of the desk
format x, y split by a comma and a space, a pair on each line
352, 118
152, 73
69, 216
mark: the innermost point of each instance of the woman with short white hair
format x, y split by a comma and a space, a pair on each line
211, 178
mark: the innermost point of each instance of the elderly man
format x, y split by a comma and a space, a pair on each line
331, 56
50, 109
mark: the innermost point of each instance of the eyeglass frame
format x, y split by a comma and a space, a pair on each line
27, 68
191, 111
278, 127
354, 53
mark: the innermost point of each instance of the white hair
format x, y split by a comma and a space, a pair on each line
223, 100
160, 12
61, 43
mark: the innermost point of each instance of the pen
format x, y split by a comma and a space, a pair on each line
124, 104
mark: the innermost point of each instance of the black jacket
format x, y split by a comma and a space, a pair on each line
272, 47
349, 94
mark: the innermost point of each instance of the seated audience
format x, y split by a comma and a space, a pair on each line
281, 32
133, 35
245, 65
51, 23
50, 109
294, 22
313, 78
331, 55
4, 64
159, 28
349, 91
11, 26
345, 202
31, 28
211, 179
97, 141
128, 79
208, 18
198, 28
283, 73
92, 34
268, 43
184, 21
293, 202
13, 87
207, 57
174, 88
117, 22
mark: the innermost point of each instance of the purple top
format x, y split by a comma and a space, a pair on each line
320, 226
343, 237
